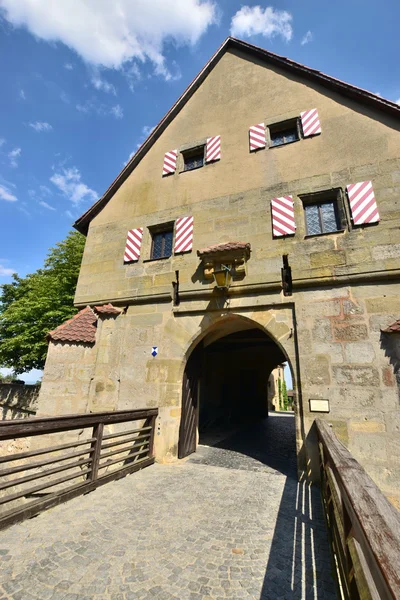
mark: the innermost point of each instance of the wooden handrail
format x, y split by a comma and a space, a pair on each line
364, 526
133, 448
40, 425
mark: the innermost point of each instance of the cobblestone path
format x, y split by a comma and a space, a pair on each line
230, 522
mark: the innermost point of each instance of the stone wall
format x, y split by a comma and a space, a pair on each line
18, 401
345, 284
345, 358
230, 199
66, 379
273, 387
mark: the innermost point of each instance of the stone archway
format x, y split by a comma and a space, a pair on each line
225, 381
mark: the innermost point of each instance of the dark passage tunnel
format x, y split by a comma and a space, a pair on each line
234, 380
225, 385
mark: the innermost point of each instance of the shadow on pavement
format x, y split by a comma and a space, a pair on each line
299, 565
267, 444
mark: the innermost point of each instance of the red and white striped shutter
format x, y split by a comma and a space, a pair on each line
283, 216
133, 244
183, 235
310, 122
363, 205
257, 137
213, 151
170, 162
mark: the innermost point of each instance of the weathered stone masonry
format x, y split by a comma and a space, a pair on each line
345, 284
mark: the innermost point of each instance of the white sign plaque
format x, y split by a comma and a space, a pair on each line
319, 405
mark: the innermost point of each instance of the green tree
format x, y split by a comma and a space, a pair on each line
8, 378
280, 393
32, 306
285, 402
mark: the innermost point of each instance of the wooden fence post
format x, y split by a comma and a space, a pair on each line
152, 423
96, 446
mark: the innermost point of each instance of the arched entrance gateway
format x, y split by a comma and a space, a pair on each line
225, 384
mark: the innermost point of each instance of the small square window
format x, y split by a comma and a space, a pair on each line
161, 246
193, 159
284, 133
324, 213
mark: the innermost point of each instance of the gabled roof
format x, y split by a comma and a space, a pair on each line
346, 89
81, 329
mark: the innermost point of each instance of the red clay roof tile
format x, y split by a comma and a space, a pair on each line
80, 329
393, 328
107, 309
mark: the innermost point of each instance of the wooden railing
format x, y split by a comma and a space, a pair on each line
90, 453
364, 527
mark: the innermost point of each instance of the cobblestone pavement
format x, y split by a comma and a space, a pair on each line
230, 522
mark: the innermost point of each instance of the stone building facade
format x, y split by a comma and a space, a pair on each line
319, 297
273, 387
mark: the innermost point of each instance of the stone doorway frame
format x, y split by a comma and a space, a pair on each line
278, 323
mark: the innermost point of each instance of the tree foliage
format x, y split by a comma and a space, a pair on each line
32, 306
280, 393
9, 378
285, 402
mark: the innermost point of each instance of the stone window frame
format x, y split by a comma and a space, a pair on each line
291, 117
324, 196
281, 125
191, 147
160, 228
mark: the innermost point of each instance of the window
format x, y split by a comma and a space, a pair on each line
324, 213
284, 133
161, 246
193, 159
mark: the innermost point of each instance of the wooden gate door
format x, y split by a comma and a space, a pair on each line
190, 405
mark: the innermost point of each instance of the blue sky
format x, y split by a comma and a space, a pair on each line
84, 81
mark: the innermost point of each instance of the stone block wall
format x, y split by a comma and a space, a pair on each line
345, 358
66, 380
18, 401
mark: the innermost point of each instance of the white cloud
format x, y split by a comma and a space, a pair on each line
132, 75
398, 101
2, 142
101, 84
45, 190
13, 156
249, 21
307, 38
69, 214
146, 131
41, 126
69, 183
117, 111
64, 97
45, 205
100, 109
6, 195
22, 95
69, 66
111, 34
4, 272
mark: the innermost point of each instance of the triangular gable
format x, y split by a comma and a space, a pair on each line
345, 89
